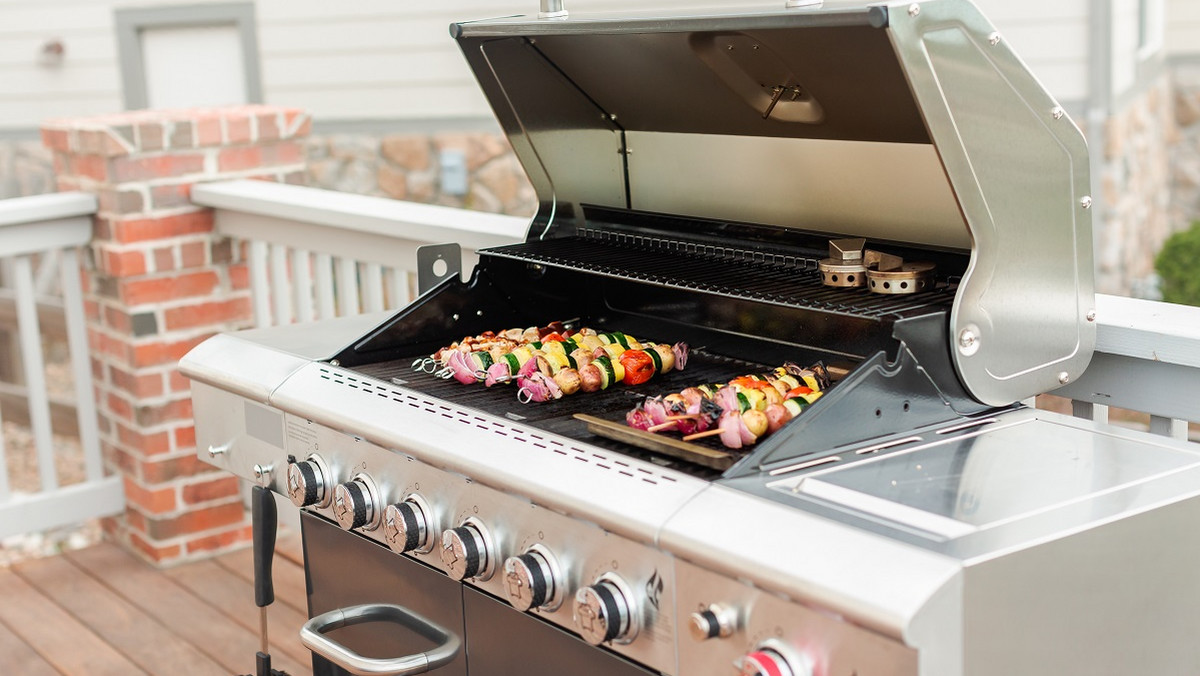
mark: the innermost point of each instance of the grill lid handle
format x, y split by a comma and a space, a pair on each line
312, 635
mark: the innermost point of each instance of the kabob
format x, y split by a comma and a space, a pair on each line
740, 412
552, 361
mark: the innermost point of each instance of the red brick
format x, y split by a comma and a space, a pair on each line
125, 169
122, 460
119, 406
237, 128
185, 437
153, 552
178, 382
209, 490
154, 443
196, 521
164, 259
136, 520
240, 159
94, 167
157, 353
207, 314
268, 126
120, 201
150, 135
208, 131
150, 500
91, 309
182, 134
159, 471
117, 319
284, 152
225, 540
122, 263
164, 227
239, 277
56, 139
63, 183
141, 386
193, 254
171, 196
158, 289
151, 415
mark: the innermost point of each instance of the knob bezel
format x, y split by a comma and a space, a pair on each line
372, 496
322, 473
631, 603
487, 550
795, 663
554, 580
427, 525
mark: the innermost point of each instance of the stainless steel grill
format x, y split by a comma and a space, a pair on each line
692, 172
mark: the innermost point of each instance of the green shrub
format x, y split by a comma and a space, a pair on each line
1178, 266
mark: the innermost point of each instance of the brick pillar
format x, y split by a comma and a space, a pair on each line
158, 282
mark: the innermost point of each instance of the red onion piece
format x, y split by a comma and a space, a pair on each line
681, 354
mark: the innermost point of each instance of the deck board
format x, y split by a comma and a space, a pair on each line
19, 658
125, 627
54, 634
220, 632
289, 578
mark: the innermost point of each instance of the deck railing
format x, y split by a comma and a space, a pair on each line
40, 239
316, 254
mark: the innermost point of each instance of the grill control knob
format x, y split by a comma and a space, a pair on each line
770, 659
715, 621
307, 482
407, 526
466, 551
605, 612
355, 504
531, 580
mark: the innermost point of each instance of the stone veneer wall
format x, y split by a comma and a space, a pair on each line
407, 167
1185, 150
26, 168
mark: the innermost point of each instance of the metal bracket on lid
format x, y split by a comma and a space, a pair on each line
803, 3
435, 263
552, 9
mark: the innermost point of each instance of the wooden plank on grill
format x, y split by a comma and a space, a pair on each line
288, 577
59, 638
217, 635
658, 443
235, 596
122, 625
19, 658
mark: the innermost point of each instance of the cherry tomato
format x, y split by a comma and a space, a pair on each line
639, 367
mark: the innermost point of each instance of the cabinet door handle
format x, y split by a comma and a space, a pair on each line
312, 635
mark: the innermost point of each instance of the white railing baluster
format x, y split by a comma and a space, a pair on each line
302, 285
35, 370
4, 490
260, 285
347, 287
325, 307
1089, 411
397, 287
81, 364
280, 294
373, 281
47, 273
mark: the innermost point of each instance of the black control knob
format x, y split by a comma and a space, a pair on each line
715, 621
354, 504
604, 612
307, 483
465, 551
531, 579
407, 527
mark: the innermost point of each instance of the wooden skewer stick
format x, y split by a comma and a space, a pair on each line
683, 417
700, 435
662, 426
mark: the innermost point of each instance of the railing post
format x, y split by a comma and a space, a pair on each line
159, 281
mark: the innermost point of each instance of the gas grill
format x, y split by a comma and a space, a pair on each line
883, 189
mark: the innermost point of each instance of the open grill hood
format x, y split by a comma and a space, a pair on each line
905, 123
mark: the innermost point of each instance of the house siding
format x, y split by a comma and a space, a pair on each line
388, 60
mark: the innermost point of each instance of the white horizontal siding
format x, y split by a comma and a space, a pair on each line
390, 59
1183, 27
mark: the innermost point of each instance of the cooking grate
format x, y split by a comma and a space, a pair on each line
787, 280
558, 416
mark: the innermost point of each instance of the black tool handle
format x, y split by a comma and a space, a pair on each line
265, 521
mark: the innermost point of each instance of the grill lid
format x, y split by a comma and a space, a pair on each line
903, 122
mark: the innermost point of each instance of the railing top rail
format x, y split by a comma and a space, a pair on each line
50, 207
1161, 332
372, 215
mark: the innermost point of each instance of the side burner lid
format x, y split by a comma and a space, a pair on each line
903, 122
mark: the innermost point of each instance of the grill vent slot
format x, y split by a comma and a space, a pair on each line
782, 279
501, 428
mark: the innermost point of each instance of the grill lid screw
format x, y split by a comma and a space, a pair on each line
1091, 315
994, 39
1064, 378
914, 9
1058, 112
1086, 202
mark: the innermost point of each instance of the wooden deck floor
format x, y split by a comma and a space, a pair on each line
100, 611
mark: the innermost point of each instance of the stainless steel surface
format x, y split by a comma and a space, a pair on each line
845, 266
356, 503
606, 611
467, 551
1019, 175
408, 526
312, 635
552, 9
533, 579
308, 482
